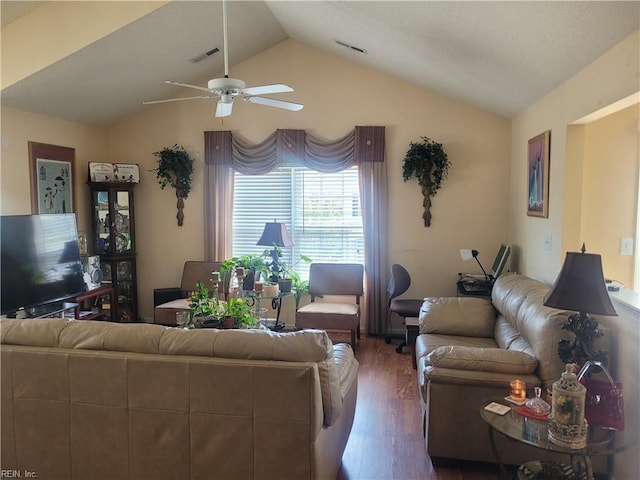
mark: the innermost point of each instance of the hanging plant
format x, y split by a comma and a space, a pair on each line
428, 163
175, 168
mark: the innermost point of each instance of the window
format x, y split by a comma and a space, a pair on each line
321, 211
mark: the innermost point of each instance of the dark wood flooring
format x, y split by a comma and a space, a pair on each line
386, 440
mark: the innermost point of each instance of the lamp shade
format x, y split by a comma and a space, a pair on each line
468, 254
580, 286
275, 233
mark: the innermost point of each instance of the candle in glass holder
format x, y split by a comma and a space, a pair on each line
258, 286
518, 390
215, 277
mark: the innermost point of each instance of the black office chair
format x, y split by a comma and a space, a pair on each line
399, 283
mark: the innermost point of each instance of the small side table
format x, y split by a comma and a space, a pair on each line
600, 442
412, 326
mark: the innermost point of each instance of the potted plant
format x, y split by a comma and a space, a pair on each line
175, 168
428, 163
254, 266
237, 314
298, 286
205, 309
278, 270
227, 269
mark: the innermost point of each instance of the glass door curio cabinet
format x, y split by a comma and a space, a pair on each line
114, 240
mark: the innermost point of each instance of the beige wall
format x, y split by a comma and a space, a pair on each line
614, 76
609, 79
19, 128
469, 211
611, 160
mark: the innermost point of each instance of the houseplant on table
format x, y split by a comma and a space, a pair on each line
237, 314
205, 308
254, 266
278, 270
175, 168
428, 163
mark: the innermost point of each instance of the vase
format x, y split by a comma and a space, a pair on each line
285, 285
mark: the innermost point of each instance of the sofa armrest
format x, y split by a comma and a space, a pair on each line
470, 378
469, 317
347, 366
493, 360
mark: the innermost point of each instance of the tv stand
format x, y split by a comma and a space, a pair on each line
50, 309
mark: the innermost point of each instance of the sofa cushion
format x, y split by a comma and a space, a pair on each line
470, 317
482, 359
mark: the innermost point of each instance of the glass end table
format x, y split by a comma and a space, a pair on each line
255, 299
534, 432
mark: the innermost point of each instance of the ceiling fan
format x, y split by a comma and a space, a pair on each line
226, 89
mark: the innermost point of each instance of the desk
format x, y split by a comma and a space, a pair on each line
483, 286
519, 428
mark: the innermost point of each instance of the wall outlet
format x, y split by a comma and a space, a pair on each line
626, 246
548, 243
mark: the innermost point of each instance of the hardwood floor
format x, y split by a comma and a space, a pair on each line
386, 440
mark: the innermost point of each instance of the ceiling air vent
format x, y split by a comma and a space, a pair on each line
351, 47
202, 56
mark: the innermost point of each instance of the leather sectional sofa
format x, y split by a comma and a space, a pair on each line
83, 399
468, 351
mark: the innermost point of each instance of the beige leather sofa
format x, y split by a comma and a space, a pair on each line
467, 352
84, 399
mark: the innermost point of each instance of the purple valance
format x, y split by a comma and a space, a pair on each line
294, 147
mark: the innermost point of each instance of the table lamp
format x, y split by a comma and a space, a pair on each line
468, 254
275, 234
580, 287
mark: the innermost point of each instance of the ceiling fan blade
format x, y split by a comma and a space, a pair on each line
223, 109
175, 100
271, 102
265, 89
178, 84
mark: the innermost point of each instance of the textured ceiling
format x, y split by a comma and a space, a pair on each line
500, 56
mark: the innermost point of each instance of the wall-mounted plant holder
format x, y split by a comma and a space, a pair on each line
175, 168
427, 162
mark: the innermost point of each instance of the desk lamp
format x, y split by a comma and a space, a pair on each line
580, 287
467, 254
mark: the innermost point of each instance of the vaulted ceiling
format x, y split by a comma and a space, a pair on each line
500, 56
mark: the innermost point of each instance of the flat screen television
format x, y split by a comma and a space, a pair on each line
41, 263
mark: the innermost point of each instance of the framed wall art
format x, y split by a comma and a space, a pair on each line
52, 178
538, 175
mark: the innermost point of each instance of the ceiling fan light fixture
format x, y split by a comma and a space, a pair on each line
226, 84
225, 89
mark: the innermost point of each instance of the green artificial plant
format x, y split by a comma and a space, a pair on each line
175, 168
428, 163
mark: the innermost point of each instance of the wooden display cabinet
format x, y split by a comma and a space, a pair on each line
113, 228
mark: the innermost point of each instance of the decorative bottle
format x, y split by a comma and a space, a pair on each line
567, 425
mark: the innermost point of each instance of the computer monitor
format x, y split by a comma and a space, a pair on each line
500, 261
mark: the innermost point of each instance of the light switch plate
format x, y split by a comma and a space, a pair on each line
626, 246
548, 243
